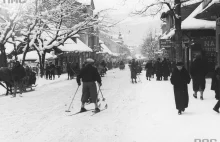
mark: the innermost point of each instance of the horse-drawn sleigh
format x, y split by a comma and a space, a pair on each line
17, 77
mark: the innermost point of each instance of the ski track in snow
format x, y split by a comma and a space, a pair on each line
142, 112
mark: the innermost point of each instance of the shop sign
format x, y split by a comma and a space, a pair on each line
165, 43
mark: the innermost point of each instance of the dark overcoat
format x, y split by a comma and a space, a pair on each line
180, 79
216, 83
133, 69
158, 67
198, 71
165, 69
149, 69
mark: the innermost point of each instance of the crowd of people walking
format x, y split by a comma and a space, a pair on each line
180, 77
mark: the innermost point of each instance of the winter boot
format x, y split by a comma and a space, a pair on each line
201, 97
179, 112
97, 110
216, 110
83, 109
195, 96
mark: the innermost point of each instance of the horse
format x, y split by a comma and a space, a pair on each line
13, 77
5, 77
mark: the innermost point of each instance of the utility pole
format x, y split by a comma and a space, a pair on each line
178, 32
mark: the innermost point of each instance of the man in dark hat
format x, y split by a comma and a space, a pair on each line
89, 75
179, 79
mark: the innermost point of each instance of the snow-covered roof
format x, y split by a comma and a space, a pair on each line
168, 35
191, 2
71, 46
115, 54
32, 55
105, 50
191, 23
86, 2
101, 42
8, 48
209, 5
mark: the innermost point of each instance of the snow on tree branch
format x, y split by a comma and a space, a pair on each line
157, 7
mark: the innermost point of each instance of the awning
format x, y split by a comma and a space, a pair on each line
191, 23
212, 9
71, 46
32, 55
105, 49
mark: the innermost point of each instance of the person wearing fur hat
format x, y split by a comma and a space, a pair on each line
179, 79
89, 75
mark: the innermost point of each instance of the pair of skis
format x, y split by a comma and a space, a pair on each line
93, 111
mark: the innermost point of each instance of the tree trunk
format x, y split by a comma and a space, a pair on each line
3, 57
42, 64
178, 32
24, 56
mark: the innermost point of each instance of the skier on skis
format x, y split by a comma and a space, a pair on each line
89, 75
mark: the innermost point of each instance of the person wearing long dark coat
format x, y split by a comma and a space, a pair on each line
179, 79
216, 87
165, 69
149, 70
198, 71
133, 69
158, 68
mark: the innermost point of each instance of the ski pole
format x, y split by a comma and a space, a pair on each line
101, 94
103, 99
72, 100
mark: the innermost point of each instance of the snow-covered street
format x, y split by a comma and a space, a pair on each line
142, 112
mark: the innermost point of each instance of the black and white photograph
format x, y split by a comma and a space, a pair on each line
109, 70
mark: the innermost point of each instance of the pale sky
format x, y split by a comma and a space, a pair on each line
133, 29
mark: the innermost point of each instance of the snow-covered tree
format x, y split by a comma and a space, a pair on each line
45, 25
156, 7
149, 46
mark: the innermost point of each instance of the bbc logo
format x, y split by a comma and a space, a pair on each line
205, 140
14, 1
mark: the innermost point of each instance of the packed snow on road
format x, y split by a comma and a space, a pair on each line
139, 112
